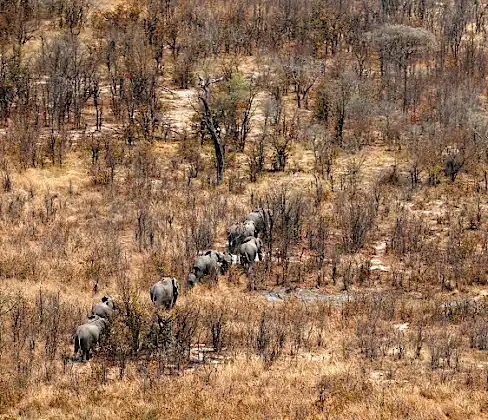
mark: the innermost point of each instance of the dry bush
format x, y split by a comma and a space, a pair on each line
23, 139
152, 204
444, 348
318, 235
337, 391
216, 322
285, 213
34, 334
144, 228
269, 339
408, 234
352, 271
356, 214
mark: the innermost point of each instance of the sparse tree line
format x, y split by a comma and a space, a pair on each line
410, 72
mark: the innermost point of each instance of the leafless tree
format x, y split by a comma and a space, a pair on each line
208, 120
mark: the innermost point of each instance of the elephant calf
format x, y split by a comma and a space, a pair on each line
105, 308
164, 292
249, 250
88, 335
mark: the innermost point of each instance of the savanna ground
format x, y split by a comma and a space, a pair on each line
361, 125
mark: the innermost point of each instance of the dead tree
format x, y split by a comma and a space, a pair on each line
211, 126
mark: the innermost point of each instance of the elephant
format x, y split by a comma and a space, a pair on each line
208, 265
88, 335
165, 292
237, 232
249, 249
224, 259
105, 308
261, 218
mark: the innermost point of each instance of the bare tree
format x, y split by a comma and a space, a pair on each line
208, 120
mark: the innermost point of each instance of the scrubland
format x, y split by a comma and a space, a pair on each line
361, 125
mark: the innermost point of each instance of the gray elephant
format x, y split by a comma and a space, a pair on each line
237, 232
105, 308
249, 250
261, 219
88, 335
224, 259
208, 265
165, 292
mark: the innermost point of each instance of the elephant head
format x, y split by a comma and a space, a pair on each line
104, 308
262, 219
109, 301
248, 228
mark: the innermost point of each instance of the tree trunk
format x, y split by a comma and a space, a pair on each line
405, 77
209, 122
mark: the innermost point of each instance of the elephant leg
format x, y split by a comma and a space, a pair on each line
250, 267
77, 345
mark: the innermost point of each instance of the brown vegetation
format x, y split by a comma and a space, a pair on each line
134, 133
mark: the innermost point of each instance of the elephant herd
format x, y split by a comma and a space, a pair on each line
244, 241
